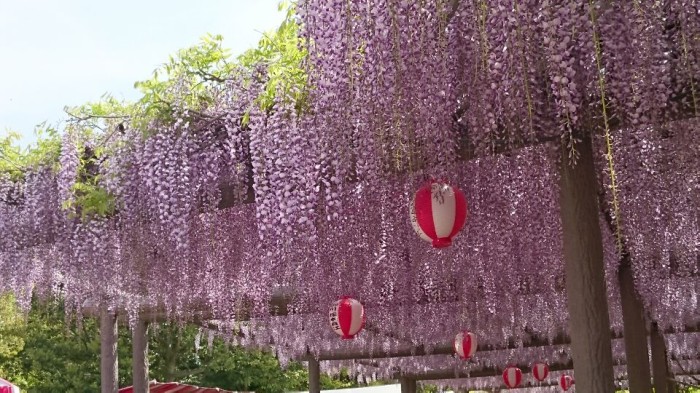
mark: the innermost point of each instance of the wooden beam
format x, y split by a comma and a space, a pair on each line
481, 373
587, 300
378, 352
109, 371
201, 314
487, 372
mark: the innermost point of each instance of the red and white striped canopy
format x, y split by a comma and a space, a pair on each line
174, 387
540, 371
512, 376
7, 387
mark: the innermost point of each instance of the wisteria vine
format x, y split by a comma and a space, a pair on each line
220, 208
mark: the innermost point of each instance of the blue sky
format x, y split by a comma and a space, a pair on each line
68, 52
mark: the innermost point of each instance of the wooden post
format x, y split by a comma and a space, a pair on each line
314, 376
659, 362
589, 322
635, 332
408, 385
139, 336
109, 371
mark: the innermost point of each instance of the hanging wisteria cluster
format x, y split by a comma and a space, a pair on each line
237, 214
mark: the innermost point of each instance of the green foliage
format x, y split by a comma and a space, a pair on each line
192, 76
173, 356
688, 389
95, 124
427, 388
15, 160
90, 199
57, 357
242, 370
12, 333
284, 54
47, 353
186, 80
98, 121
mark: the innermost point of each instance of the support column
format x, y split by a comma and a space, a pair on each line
408, 385
109, 371
635, 332
659, 362
589, 322
314, 376
139, 336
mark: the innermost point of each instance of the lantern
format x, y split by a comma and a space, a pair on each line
512, 376
438, 212
347, 317
540, 371
566, 381
465, 345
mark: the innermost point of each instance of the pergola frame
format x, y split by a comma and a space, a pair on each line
580, 209
408, 380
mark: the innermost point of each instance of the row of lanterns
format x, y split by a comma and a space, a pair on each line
347, 319
465, 345
513, 376
438, 212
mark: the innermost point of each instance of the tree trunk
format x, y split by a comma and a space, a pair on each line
314, 376
589, 322
660, 362
140, 356
109, 371
636, 347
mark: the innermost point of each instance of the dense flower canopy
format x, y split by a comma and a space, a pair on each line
224, 206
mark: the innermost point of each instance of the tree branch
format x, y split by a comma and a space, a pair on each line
89, 117
207, 76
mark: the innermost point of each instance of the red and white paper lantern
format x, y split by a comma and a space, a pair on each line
438, 213
566, 381
512, 376
465, 345
540, 371
347, 317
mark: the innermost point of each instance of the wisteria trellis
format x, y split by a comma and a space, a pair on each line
400, 91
